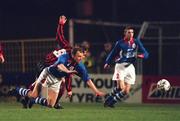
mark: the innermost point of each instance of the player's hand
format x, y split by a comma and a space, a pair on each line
99, 93
106, 66
62, 19
72, 72
140, 55
69, 94
1, 59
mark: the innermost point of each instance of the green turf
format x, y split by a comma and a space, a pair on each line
91, 112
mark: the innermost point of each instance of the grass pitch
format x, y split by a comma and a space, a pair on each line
91, 112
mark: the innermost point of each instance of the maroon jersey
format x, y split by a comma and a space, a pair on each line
52, 57
63, 44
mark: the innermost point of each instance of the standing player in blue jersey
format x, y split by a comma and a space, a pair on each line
54, 76
126, 52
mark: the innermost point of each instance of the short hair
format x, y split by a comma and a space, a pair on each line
76, 49
127, 28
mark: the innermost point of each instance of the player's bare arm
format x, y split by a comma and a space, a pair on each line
94, 89
63, 68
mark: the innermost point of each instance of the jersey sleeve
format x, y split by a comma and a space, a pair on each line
50, 59
141, 49
82, 72
62, 42
113, 53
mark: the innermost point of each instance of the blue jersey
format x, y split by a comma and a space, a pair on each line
70, 64
126, 52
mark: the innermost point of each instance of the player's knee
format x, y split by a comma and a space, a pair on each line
122, 87
33, 94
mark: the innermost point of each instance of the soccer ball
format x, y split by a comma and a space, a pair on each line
163, 84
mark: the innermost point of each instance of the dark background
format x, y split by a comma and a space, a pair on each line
21, 19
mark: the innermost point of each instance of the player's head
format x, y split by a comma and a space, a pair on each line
77, 54
129, 32
84, 49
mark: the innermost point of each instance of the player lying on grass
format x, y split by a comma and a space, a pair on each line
124, 72
54, 75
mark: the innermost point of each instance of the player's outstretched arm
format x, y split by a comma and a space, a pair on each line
64, 69
62, 42
94, 89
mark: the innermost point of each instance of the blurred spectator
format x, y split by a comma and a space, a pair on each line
102, 57
86, 45
89, 60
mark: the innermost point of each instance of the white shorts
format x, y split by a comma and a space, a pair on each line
126, 74
51, 82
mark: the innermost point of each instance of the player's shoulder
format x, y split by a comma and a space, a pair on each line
64, 56
121, 40
81, 66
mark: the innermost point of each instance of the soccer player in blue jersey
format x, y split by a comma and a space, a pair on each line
50, 58
126, 51
54, 75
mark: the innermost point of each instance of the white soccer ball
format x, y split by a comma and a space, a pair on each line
163, 84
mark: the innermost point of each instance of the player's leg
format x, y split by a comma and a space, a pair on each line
48, 101
35, 91
125, 85
25, 100
42, 100
28, 93
116, 91
53, 91
118, 76
120, 95
53, 85
52, 96
38, 84
61, 92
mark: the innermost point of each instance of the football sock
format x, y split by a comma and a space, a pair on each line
41, 101
119, 95
22, 91
115, 90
